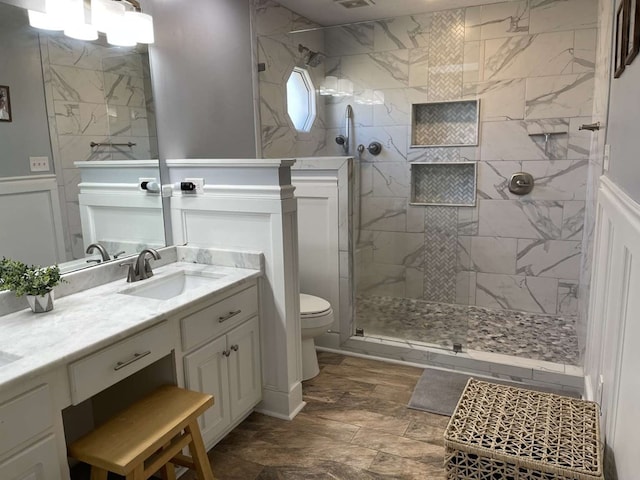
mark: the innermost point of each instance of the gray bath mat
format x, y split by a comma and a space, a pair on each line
438, 391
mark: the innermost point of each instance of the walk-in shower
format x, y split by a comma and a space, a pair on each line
499, 273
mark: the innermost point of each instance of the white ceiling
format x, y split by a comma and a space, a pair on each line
331, 12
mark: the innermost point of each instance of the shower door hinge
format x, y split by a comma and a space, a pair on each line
457, 347
359, 332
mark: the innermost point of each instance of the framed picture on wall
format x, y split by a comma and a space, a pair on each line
5, 104
633, 35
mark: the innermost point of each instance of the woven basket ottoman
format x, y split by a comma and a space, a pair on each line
499, 432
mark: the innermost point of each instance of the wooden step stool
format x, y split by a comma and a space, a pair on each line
149, 436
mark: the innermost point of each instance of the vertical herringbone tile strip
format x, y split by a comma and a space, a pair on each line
440, 244
445, 184
446, 55
445, 123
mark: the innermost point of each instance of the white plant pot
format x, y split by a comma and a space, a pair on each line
41, 303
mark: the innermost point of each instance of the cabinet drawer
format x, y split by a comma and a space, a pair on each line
96, 372
37, 462
24, 417
209, 322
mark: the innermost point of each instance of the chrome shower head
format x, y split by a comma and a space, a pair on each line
309, 57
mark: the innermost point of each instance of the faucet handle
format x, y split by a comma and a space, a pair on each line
131, 273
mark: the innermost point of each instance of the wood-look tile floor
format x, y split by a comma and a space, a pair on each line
355, 426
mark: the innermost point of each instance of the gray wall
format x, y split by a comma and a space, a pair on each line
623, 129
28, 134
202, 78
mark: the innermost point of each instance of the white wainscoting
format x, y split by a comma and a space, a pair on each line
613, 355
30, 220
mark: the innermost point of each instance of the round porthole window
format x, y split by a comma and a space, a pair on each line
301, 100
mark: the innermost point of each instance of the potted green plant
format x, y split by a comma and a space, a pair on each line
31, 280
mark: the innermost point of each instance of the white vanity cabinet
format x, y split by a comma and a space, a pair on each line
226, 362
26, 437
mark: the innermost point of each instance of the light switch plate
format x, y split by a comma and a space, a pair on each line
39, 164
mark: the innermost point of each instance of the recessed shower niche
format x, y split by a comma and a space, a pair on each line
450, 183
445, 124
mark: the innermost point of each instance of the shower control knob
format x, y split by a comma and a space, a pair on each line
341, 140
375, 148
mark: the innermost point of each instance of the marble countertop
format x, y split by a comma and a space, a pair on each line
87, 321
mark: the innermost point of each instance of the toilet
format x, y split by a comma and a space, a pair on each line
316, 316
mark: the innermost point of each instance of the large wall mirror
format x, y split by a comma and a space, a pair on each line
80, 142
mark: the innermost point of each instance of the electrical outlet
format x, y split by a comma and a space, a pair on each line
39, 164
198, 182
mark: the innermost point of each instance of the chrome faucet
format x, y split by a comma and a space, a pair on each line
101, 249
140, 268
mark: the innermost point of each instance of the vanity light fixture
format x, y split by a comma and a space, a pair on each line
336, 87
121, 20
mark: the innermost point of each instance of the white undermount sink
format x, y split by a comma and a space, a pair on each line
7, 358
172, 285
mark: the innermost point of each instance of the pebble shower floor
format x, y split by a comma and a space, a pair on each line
551, 338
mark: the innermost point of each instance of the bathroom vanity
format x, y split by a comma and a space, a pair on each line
201, 322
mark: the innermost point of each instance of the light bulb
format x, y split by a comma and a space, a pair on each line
121, 37
53, 18
76, 26
107, 15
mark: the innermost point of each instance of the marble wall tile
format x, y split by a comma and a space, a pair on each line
446, 55
493, 255
557, 180
66, 51
119, 118
464, 253
518, 219
472, 21
567, 297
384, 214
579, 140
415, 219
499, 100
440, 254
510, 140
382, 279
396, 109
377, 70
74, 148
472, 63
278, 55
77, 84
391, 179
350, 39
418, 67
573, 220
466, 288
468, 220
549, 258
272, 108
124, 90
529, 56
398, 248
559, 96
141, 149
271, 18
124, 64
71, 187
414, 283
501, 20
80, 118
409, 31
278, 141
549, 16
493, 179
394, 141
514, 292
585, 50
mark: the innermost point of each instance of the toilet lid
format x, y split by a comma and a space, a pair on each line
310, 304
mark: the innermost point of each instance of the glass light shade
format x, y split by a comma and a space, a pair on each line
53, 18
141, 24
107, 15
121, 37
76, 26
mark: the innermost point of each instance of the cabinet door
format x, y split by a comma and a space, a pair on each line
37, 462
245, 378
206, 370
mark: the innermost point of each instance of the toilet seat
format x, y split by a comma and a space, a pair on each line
311, 306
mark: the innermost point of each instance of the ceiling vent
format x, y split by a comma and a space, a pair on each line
353, 3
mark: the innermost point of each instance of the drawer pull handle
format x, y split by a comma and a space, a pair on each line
235, 348
135, 358
226, 353
229, 315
